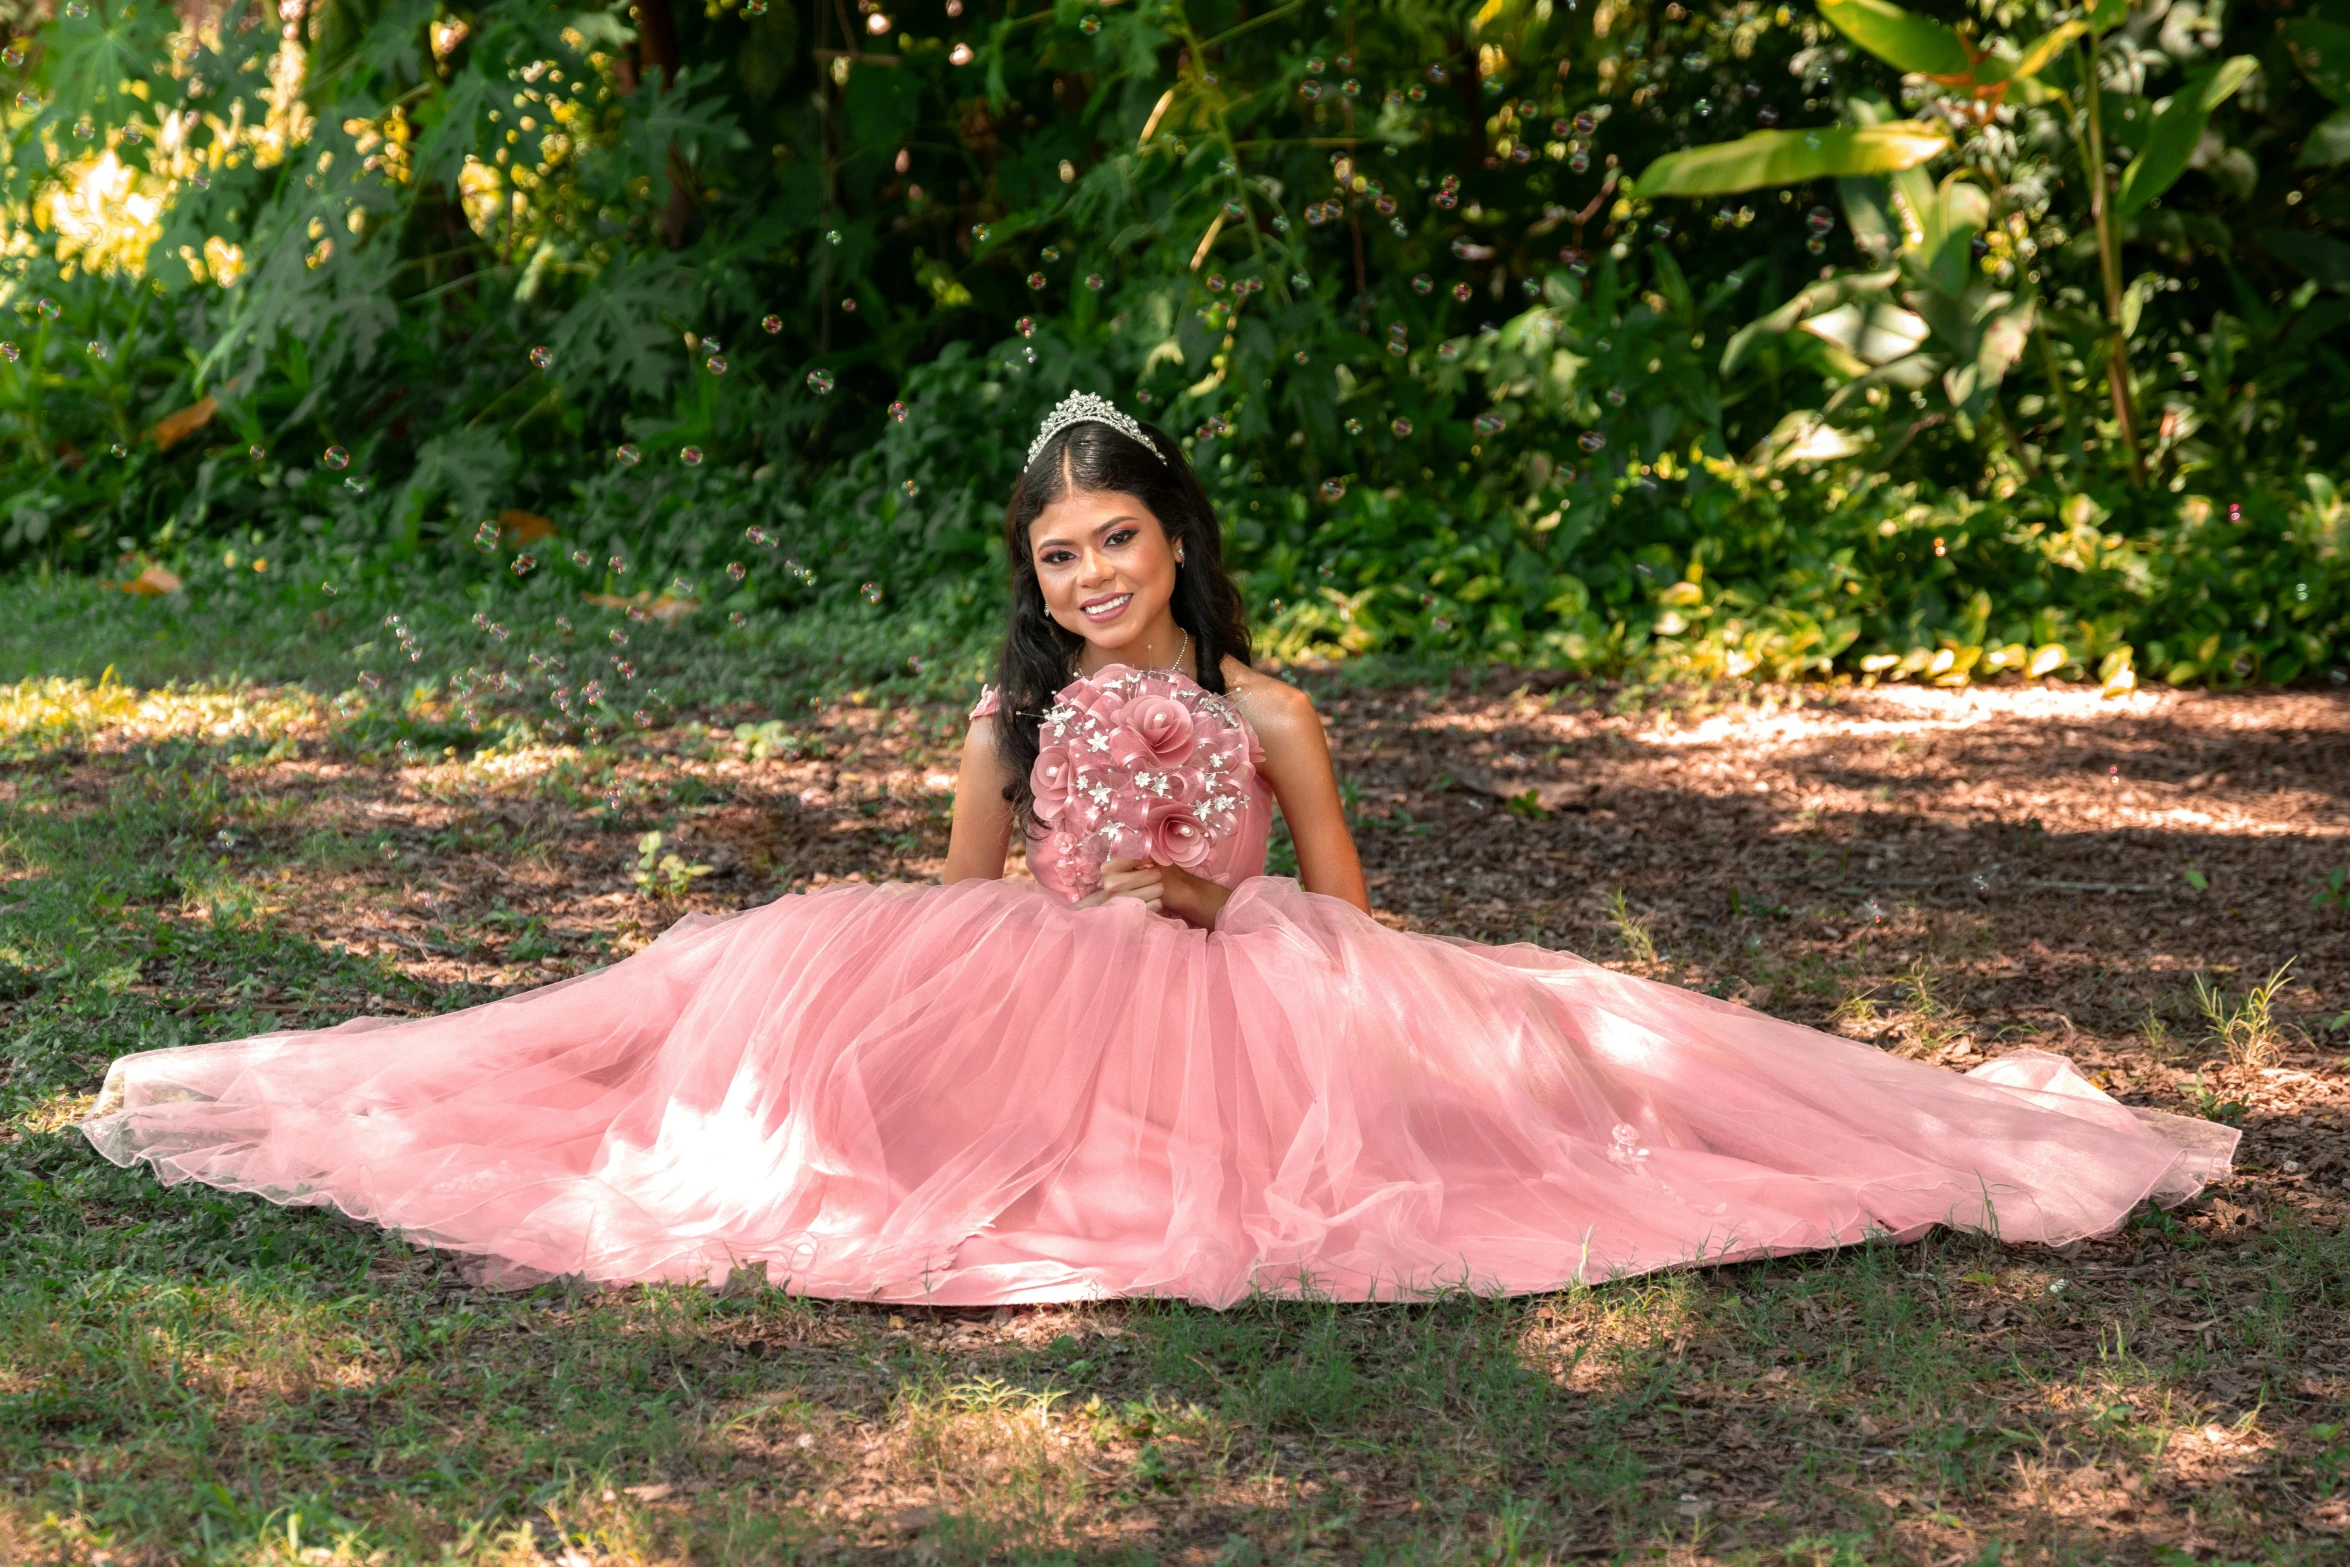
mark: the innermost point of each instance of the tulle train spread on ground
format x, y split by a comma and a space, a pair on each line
976, 1093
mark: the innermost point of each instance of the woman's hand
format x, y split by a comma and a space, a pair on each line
1162, 889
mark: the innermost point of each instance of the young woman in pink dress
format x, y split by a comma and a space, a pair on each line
1154, 1070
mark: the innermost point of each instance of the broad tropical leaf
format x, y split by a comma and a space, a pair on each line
2176, 130
2329, 145
1790, 158
1901, 40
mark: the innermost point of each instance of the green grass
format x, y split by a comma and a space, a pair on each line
188, 1377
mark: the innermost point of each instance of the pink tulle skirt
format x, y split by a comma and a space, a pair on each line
975, 1094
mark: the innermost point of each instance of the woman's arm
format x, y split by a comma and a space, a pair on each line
983, 817
1297, 764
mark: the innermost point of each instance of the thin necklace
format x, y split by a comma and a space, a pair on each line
1175, 667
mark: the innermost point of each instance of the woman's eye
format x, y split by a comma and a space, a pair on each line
1058, 558
1120, 539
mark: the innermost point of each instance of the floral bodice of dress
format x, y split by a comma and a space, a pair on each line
1232, 856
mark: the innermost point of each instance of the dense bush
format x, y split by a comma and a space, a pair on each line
714, 304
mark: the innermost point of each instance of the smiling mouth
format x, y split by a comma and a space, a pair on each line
1107, 609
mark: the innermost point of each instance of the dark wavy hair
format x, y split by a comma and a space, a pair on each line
1039, 654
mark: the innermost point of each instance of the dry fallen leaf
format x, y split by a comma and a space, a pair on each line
525, 527
650, 1493
174, 428
663, 609
154, 582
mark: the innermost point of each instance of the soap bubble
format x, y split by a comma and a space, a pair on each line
1423, 284
627, 455
1215, 282
737, 570
1351, 88
771, 324
754, 7
715, 364
691, 456
1025, 326
256, 451
1093, 280
98, 350
1310, 91
580, 558
1591, 440
1333, 489
336, 458
979, 233
524, 565
485, 537
48, 309
897, 411
1437, 73
10, 352
912, 489
1402, 427
1036, 280
1490, 424
820, 382
1090, 25
872, 592
543, 357
1354, 426
1585, 122
1051, 253
1460, 291
1819, 220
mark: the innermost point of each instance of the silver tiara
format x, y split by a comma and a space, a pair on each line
1086, 408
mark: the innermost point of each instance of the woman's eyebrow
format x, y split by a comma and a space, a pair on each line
1098, 530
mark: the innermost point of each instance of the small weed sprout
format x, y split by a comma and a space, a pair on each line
2246, 1032
2156, 1030
2330, 892
661, 875
1855, 1012
1631, 929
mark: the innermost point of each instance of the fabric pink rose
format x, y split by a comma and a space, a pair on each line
1130, 750
1049, 781
1177, 837
1165, 726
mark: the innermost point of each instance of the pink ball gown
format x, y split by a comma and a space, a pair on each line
977, 1093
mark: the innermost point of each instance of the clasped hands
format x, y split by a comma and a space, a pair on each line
1162, 889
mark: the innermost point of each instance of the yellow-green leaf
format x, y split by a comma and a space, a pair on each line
1790, 158
1901, 40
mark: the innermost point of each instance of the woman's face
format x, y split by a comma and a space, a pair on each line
1107, 569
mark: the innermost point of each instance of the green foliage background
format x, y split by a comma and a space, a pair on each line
1457, 391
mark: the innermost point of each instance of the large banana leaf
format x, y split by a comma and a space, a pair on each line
2176, 130
1901, 40
1767, 158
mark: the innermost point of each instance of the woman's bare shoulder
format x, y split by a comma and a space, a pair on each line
1272, 704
